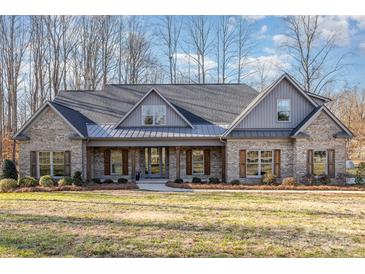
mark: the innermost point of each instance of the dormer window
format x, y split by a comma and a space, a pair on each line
283, 110
154, 115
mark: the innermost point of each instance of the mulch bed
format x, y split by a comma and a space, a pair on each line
88, 187
262, 187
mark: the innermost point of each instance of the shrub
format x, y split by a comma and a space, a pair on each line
8, 184
108, 181
122, 181
360, 174
96, 180
65, 181
77, 179
27, 182
268, 179
235, 182
324, 180
196, 180
179, 181
289, 181
9, 170
46, 181
214, 180
308, 179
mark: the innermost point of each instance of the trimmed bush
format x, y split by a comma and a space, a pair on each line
122, 181
308, 180
268, 179
214, 180
289, 181
108, 181
196, 180
324, 180
179, 181
9, 170
46, 181
96, 180
235, 182
8, 184
360, 174
27, 182
66, 181
77, 179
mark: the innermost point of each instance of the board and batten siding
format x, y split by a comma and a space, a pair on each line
135, 118
264, 115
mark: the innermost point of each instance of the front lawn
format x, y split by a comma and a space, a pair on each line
147, 224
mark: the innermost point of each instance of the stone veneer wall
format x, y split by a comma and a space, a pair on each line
321, 132
49, 132
235, 145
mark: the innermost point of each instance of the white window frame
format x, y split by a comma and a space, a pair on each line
325, 161
277, 111
111, 162
51, 163
154, 107
192, 162
259, 162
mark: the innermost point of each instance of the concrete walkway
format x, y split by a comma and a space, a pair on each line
158, 185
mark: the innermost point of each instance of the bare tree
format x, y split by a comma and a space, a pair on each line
199, 31
169, 31
244, 44
313, 52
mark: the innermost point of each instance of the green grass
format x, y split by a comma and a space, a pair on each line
147, 224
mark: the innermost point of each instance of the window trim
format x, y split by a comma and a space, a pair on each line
111, 162
259, 162
325, 162
51, 163
153, 116
277, 110
192, 162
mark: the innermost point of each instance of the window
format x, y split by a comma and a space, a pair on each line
259, 162
319, 162
153, 115
283, 108
116, 161
51, 163
198, 161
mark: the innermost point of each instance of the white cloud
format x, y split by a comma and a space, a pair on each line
280, 39
337, 27
362, 46
253, 18
263, 29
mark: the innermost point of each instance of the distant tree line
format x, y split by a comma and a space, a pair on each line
41, 55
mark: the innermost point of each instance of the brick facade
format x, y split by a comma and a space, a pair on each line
49, 132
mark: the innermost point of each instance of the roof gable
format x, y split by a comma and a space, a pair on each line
57, 110
259, 98
133, 116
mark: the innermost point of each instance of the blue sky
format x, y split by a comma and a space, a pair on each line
268, 30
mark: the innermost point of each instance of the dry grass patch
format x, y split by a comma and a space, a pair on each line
147, 224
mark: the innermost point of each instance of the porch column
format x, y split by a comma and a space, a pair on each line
89, 163
133, 163
223, 156
177, 162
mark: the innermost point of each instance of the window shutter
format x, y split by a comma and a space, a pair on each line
125, 161
277, 162
67, 163
331, 163
242, 163
107, 162
189, 155
207, 161
33, 164
310, 161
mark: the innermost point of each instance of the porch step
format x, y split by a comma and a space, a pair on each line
152, 181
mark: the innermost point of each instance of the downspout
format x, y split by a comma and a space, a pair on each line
224, 178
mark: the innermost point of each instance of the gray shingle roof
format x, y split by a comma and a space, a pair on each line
211, 103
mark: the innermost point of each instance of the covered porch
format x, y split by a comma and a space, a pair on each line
155, 160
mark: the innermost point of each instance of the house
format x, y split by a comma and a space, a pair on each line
229, 131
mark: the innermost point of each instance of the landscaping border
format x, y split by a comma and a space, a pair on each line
261, 187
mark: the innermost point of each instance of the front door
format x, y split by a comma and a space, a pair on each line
155, 161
